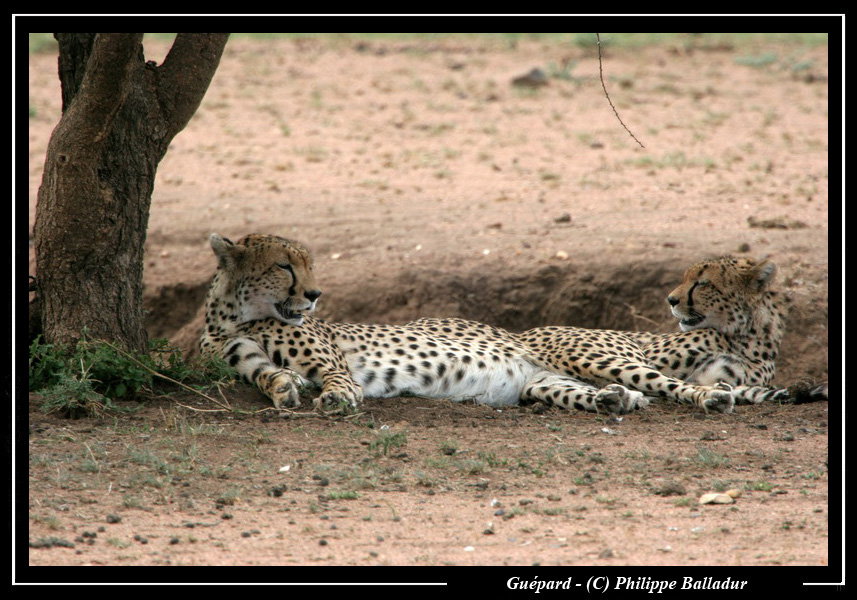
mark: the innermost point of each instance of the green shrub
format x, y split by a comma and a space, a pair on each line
87, 378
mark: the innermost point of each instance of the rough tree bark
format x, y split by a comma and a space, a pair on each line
119, 115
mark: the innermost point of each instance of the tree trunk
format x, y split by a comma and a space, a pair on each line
119, 116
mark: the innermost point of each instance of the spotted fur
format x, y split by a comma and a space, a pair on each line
731, 328
256, 318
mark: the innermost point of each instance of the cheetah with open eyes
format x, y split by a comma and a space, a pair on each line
731, 328
257, 320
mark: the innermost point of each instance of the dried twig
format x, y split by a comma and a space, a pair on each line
603, 85
635, 314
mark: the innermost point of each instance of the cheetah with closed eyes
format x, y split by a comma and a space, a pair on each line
257, 319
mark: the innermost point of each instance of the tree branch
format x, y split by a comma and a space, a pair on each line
186, 74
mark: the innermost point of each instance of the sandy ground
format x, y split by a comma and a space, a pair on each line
428, 184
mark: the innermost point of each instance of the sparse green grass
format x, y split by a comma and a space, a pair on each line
471, 466
757, 61
760, 486
449, 447
387, 440
711, 458
771, 61
490, 459
551, 511
673, 160
50, 521
229, 496
343, 495
148, 458
312, 154
129, 501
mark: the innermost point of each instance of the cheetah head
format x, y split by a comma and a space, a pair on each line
721, 293
264, 276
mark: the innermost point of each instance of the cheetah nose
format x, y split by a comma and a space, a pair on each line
672, 300
312, 295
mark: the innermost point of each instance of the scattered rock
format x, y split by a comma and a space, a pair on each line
536, 78
715, 498
277, 491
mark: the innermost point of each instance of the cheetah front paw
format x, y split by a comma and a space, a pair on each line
339, 400
616, 399
719, 399
281, 387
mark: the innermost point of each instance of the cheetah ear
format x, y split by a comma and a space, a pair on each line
224, 249
761, 276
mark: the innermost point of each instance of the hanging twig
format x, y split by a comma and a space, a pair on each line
601, 74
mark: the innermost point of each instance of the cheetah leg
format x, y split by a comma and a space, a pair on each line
249, 359
727, 369
339, 391
797, 393
568, 392
642, 378
756, 394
